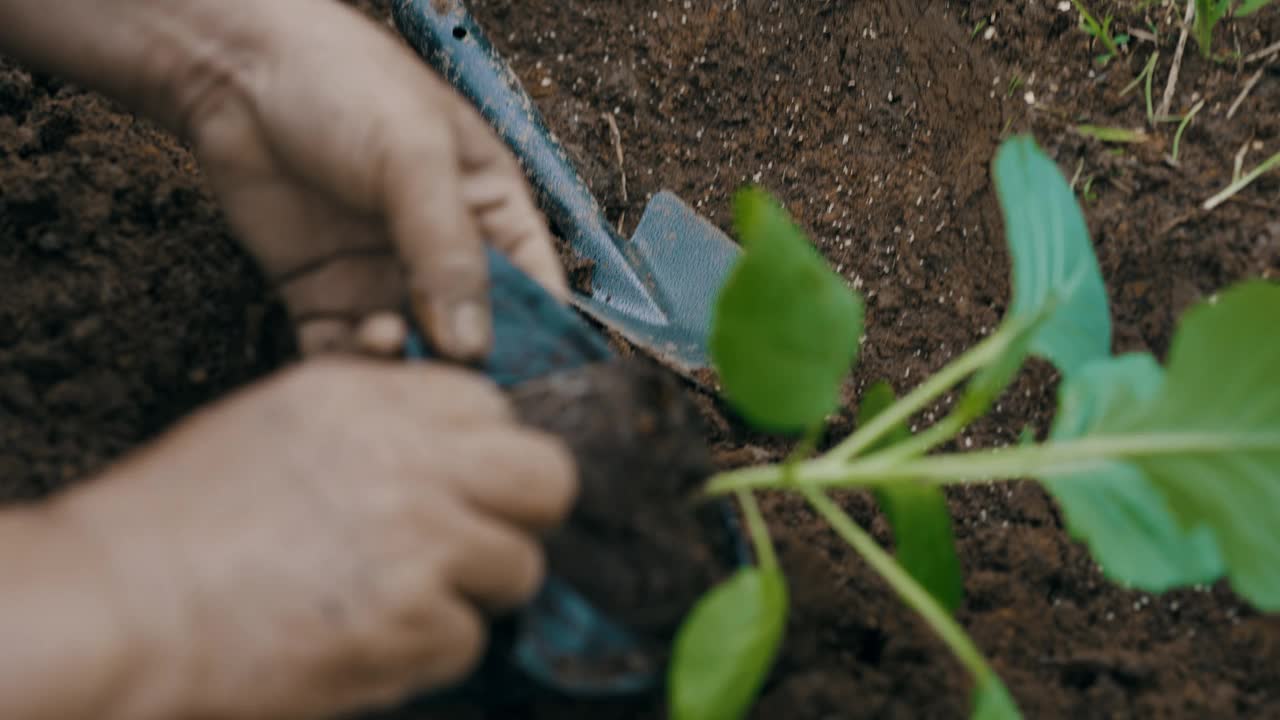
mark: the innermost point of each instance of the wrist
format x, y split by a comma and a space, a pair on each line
67, 653
128, 576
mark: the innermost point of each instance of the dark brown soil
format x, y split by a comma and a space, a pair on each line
634, 544
126, 303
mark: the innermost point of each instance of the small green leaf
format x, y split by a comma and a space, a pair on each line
922, 536
1249, 7
786, 327
875, 400
1054, 267
1122, 517
918, 515
726, 647
1112, 134
992, 701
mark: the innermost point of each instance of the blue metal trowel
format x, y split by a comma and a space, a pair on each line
657, 288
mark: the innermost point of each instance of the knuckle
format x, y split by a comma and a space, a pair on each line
480, 395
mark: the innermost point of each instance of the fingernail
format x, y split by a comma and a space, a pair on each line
469, 324
382, 335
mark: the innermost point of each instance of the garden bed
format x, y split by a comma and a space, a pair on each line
126, 302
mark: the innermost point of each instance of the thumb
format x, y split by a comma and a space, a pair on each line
432, 228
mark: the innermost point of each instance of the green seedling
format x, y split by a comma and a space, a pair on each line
1147, 75
1182, 127
1015, 83
1101, 31
1169, 475
1087, 192
1242, 181
1112, 134
1210, 12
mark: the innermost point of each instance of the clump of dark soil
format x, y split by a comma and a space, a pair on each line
636, 544
126, 302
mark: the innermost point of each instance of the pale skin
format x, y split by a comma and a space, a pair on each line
339, 535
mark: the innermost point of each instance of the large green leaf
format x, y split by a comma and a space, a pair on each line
1117, 512
786, 327
1214, 432
727, 645
1208, 439
1054, 268
918, 515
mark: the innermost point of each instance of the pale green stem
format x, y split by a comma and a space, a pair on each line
759, 531
1142, 75
1182, 127
1242, 183
944, 430
1012, 463
940, 382
1151, 73
903, 584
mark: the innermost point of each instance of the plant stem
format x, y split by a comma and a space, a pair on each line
1151, 73
1010, 463
1241, 183
759, 531
1182, 126
1004, 464
940, 382
918, 445
911, 592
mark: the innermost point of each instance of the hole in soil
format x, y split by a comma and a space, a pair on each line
871, 646
1080, 678
460, 32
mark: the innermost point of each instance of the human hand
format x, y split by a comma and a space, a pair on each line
332, 539
358, 178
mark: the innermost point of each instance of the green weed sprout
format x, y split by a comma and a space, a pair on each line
1210, 12
1170, 475
1101, 31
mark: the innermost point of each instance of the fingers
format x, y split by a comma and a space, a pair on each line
338, 305
495, 189
437, 237
499, 567
528, 478
444, 400
382, 335
455, 647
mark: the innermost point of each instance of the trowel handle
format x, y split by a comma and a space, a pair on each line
448, 38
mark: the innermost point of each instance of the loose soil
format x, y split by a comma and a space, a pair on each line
126, 302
